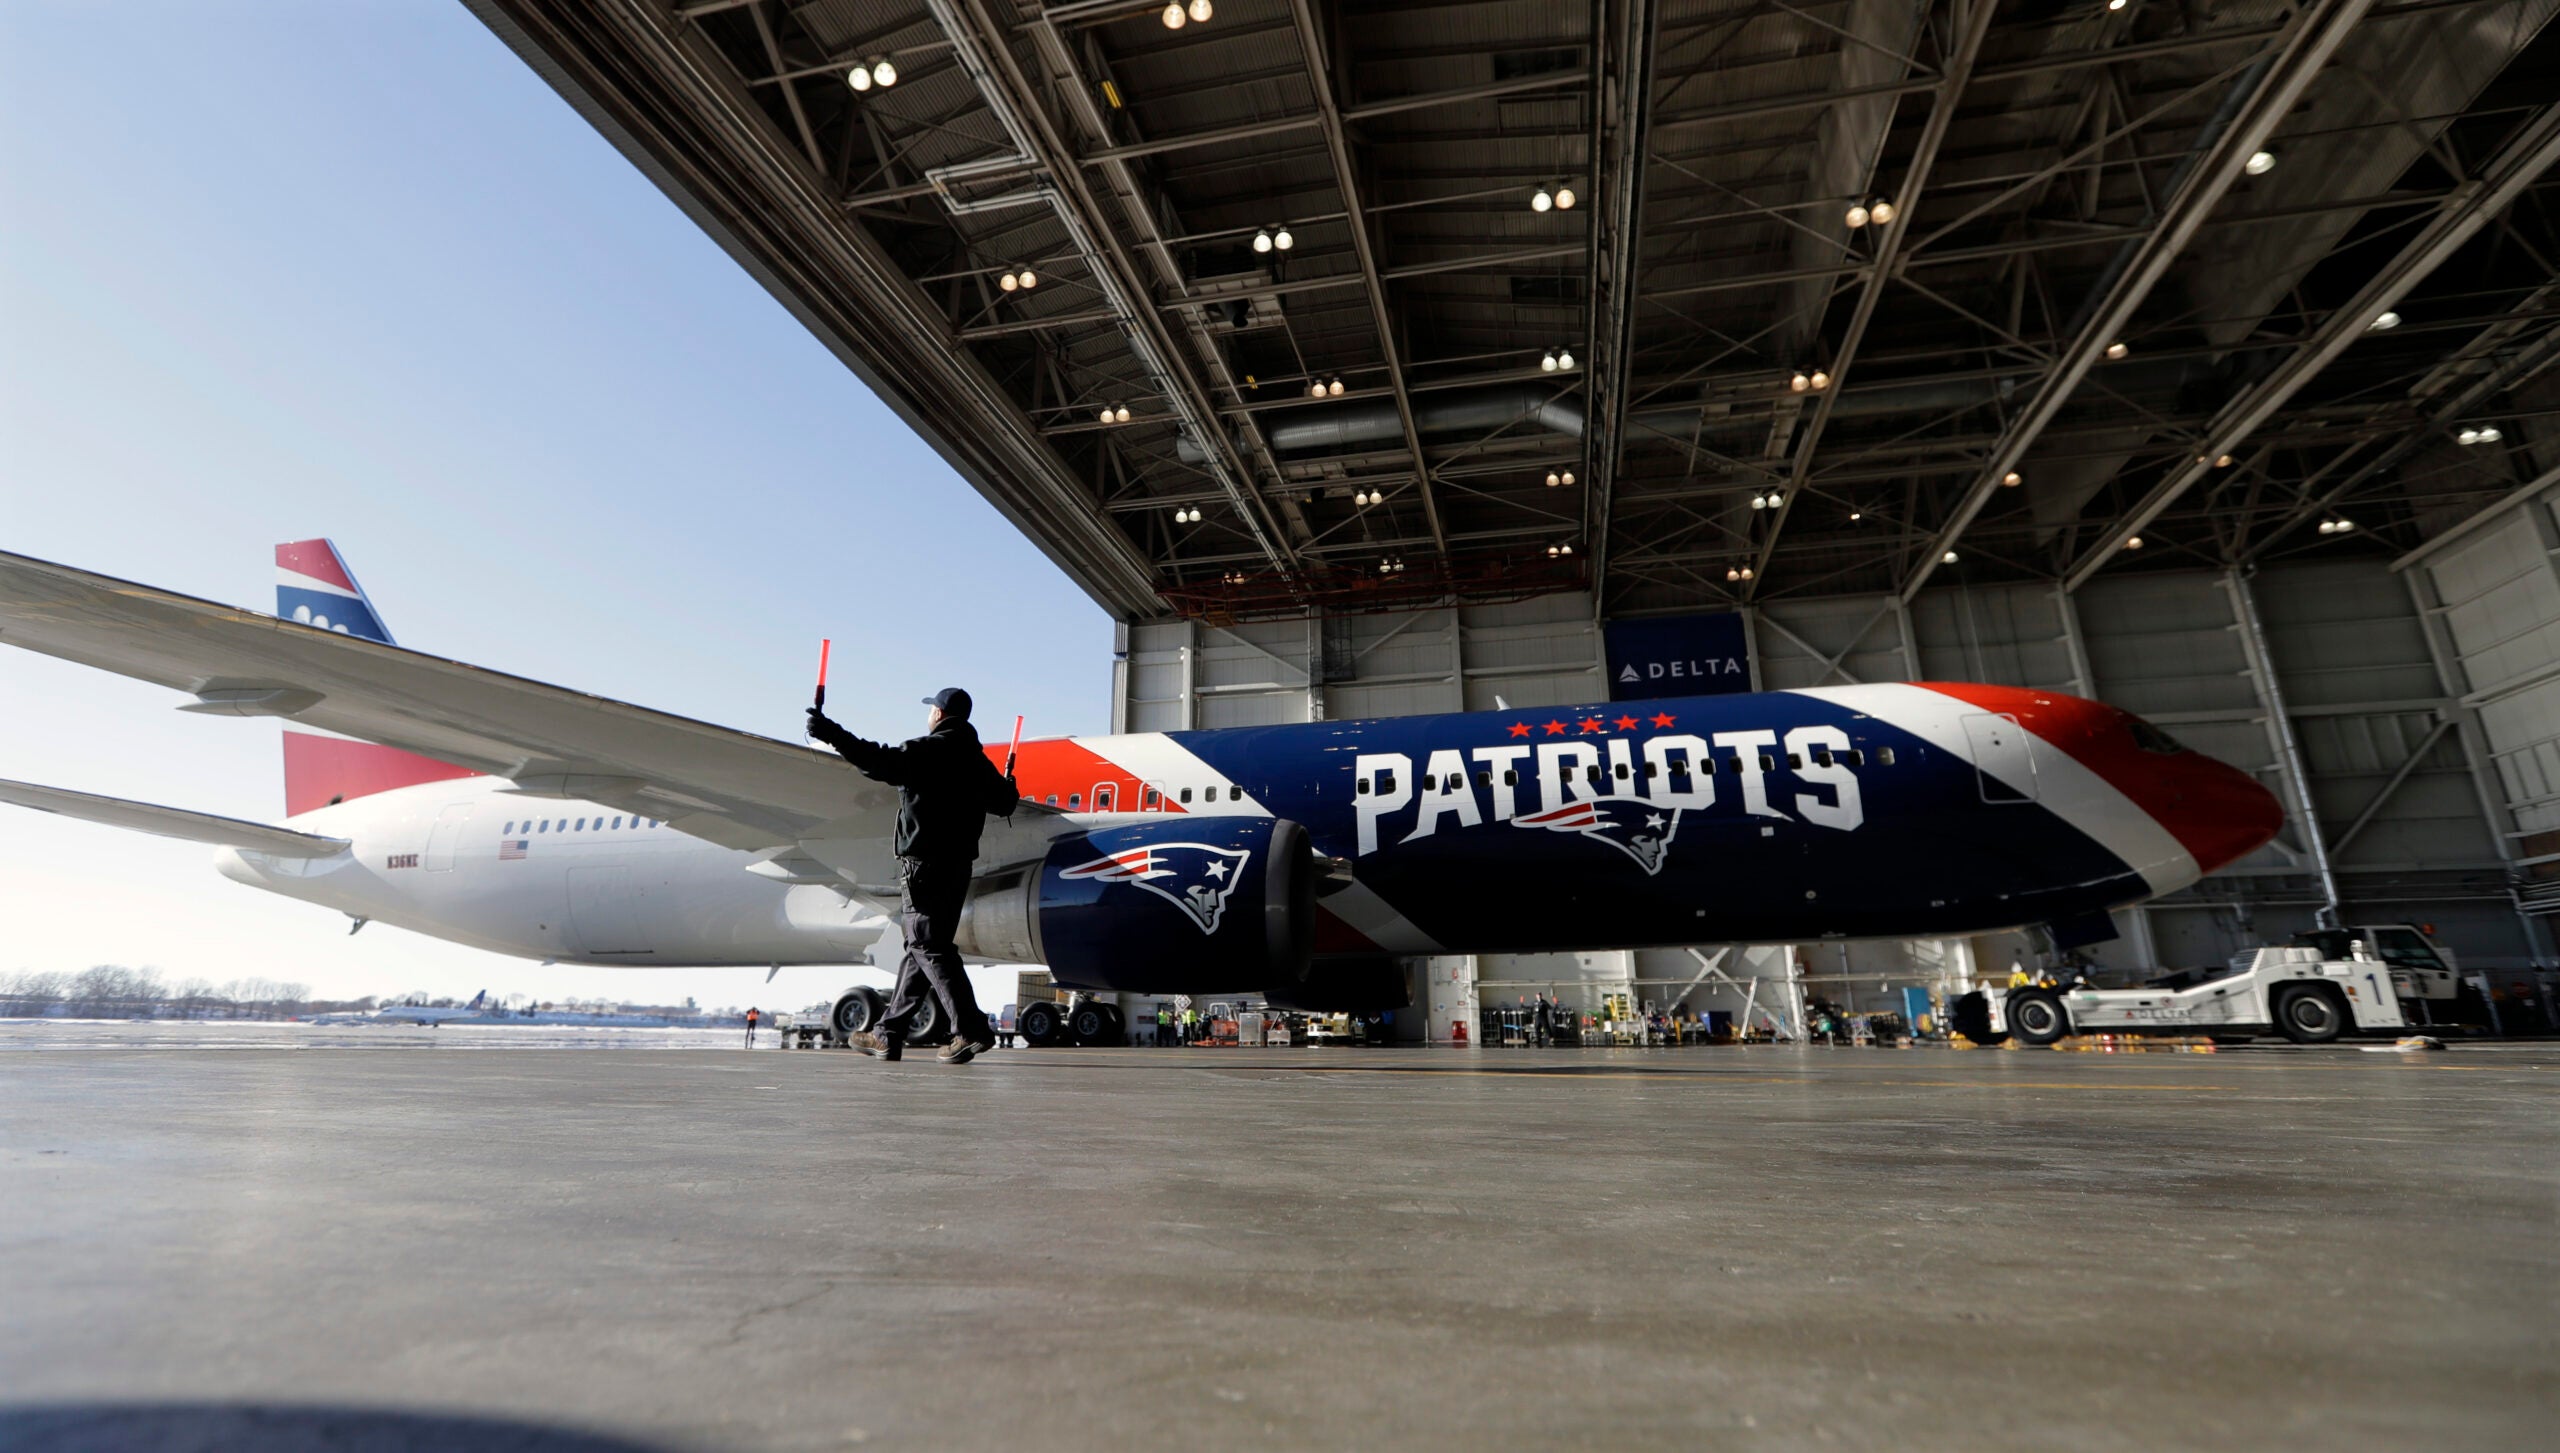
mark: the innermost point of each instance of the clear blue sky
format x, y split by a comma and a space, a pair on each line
310, 267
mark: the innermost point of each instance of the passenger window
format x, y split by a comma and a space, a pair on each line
617, 822
1053, 799
1456, 781
1074, 800
1884, 756
544, 826
510, 827
1360, 788
1386, 781
1854, 757
1186, 794
1484, 779
1734, 765
1646, 771
1795, 762
1678, 769
1622, 771
1768, 763
1510, 779
1153, 797
1235, 792
1822, 756
1590, 774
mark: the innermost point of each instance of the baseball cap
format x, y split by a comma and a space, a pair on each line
953, 701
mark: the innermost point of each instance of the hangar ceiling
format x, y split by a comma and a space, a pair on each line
2153, 284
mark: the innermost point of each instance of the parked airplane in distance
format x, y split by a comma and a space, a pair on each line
1292, 860
418, 1014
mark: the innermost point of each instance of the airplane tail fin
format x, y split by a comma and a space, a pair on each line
315, 587
478, 1000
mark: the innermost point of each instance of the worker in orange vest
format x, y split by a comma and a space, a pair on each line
752, 1016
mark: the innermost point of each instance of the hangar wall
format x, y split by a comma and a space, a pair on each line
2407, 714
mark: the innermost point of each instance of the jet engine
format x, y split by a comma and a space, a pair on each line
1178, 905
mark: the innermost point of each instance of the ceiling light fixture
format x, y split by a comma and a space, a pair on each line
1120, 415
1262, 240
1820, 380
1539, 201
1554, 479
2259, 163
2118, 4
1857, 217
1568, 479
2012, 480
1948, 558
883, 72
1798, 384
2384, 322
2224, 461
1855, 516
1106, 413
1201, 10
859, 78
2117, 350
2133, 542
1548, 364
1880, 211
1282, 240
1173, 17
1334, 388
2338, 526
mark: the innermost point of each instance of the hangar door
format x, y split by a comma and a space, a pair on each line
2004, 764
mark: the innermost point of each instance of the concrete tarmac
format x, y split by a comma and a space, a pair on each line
385, 1243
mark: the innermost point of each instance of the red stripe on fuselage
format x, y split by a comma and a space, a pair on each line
2100, 738
1073, 774
322, 770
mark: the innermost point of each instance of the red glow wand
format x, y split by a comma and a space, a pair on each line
823, 644
1011, 751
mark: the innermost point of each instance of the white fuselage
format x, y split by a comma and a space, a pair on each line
588, 884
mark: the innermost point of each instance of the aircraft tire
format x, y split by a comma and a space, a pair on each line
2309, 1014
1970, 1016
857, 1010
1090, 1024
1119, 1023
926, 1026
2037, 1018
1041, 1026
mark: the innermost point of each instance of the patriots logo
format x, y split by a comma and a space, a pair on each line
1194, 877
1641, 830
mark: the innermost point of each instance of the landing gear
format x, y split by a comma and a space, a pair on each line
1042, 1026
1097, 1024
857, 1011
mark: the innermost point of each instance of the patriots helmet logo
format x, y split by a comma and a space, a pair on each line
1194, 877
1641, 830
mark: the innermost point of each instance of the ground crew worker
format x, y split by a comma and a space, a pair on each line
1164, 1025
752, 1015
2018, 974
946, 789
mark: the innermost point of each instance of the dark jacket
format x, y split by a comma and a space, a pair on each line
946, 787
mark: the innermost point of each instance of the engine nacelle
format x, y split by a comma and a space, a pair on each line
1178, 905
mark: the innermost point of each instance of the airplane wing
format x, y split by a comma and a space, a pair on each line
787, 802
201, 827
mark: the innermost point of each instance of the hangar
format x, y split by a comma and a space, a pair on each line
1381, 359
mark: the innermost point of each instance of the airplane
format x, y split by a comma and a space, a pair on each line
1299, 861
418, 1014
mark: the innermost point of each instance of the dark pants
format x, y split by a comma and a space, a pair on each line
934, 893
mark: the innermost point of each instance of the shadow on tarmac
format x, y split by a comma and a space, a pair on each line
241, 1428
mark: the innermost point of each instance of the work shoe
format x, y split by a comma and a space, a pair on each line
878, 1046
961, 1051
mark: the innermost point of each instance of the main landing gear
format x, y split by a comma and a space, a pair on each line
1080, 1020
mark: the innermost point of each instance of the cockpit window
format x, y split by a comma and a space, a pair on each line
2151, 739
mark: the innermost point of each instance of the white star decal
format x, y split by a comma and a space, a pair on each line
1654, 820
1217, 869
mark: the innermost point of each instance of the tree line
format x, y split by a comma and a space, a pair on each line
112, 991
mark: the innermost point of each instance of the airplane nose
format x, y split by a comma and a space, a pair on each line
2220, 813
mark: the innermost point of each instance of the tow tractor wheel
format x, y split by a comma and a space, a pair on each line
1041, 1025
2036, 1017
2308, 1015
858, 1010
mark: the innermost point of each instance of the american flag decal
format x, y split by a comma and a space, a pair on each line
512, 847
